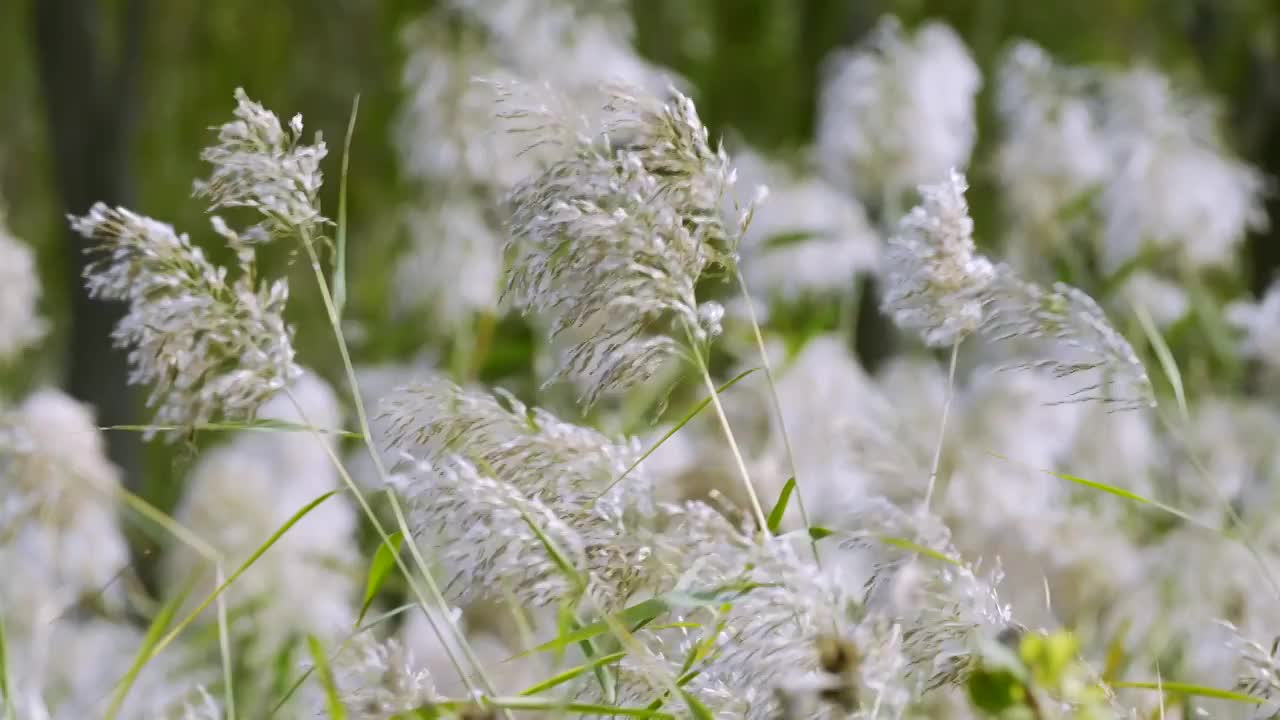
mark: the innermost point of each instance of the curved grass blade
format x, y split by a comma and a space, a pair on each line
688, 416
340, 252
780, 507
331, 701
571, 673
190, 618
1177, 688
383, 560
1167, 362
145, 652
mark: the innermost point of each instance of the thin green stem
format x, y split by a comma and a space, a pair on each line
942, 427
728, 433
777, 410
367, 434
224, 646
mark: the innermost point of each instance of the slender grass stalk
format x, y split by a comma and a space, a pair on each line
942, 428
728, 433
365, 430
777, 410
224, 647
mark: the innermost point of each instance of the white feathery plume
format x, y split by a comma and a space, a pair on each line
59, 537
378, 679
1081, 339
898, 111
1052, 154
1260, 323
489, 534
258, 164
936, 279
613, 236
536, 465
1173, 185
20, 321
210, 346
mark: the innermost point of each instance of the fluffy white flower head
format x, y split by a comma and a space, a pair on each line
899, 111
20, 322
935, 276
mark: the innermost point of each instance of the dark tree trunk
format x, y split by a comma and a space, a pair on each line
91, 101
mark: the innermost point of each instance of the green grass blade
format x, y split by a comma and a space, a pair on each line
688, 416
340, 252
190, 618
1167, 362
9, 712
696, 707
260, 425
571, 673
915, 547
145, 652
780, 507
643, 612
331, 701
383, 560
1177, 688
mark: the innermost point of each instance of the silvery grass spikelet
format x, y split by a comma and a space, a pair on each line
377, 679
1081, 339
258, 164
935, 276
897, 112
212, 346
20, 321
486, 454
612, 237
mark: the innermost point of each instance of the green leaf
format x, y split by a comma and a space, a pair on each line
331, 701
383, 560
1189, 689
145, 652
696, 707
571, 673
688, 416
995, 691
817, 532
780, 507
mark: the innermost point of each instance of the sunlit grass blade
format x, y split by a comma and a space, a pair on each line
261, 425
340, 239
915, 547
146, 651
780, 507
1177, 688
696, 707
383, 560
688, 416
331, 702
573, 672
279, 533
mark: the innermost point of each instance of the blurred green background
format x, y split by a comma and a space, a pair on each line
111, 100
